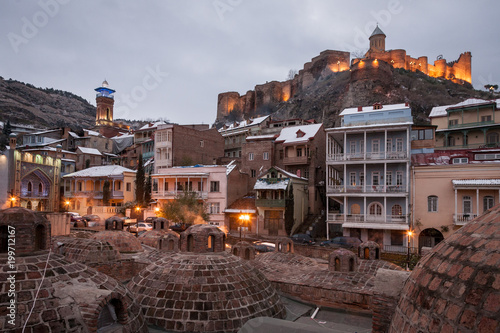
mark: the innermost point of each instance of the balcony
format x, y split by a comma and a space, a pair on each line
169, 195
475, 124
84, 194
362, 218
296, 160
270, 203
390, 155
333, 189
463, 218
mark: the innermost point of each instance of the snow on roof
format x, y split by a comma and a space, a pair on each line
289, 174
50, 149
122, 136
261, 137
91, 151
369, 108
245, 123
439, 111
477, 182
42, 132
302, 133
275, 184
74, 135
230, 167
151, 125
100, 171
242, 211
93, 133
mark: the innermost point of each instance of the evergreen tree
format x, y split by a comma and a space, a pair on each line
147, 190
289, 210
106, 193
139, 182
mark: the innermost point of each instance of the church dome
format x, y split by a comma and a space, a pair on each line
456, 287
203, 288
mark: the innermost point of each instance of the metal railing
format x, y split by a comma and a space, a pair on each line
366, 189
463, 218
362, 218
391, 155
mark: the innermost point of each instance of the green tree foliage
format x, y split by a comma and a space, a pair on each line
147, 190
106, 193
139, 182
4, 136
185, 208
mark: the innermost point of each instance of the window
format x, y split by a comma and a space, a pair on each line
214, 208
362, 146
451, 141
179, 186
388, 178
467, 204
200, 186
397, 210
265, 156
492, 138
375, 209
488, 202
306, 173
352, 147
422, 134
361, 178
281, 154
399, 145
352, 178
399, 178
432, 203
452, 122
214, 186
376, 178
299, 152
388, 146
253, 173
460, 160
485, 118
129, 187
165, 186
397, 237
250, 156
376, 146
202, 143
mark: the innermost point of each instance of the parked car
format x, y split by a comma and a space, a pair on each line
140, 226
150, 219
342, 241
92, 220
303, 239
74, 218
179, 227
261, 246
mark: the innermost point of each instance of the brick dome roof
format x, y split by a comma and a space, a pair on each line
159, 239
290, 259
203, 288
456, 287
85, 251
73, 297
123, 241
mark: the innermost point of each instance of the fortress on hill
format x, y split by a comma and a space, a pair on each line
327, 62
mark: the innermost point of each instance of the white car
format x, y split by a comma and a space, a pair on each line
141, 226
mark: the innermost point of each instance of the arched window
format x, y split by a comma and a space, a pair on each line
247, 253
375, 209
367, 253
351, 265
190, 243
432, 203
28, 205
30, 187
235, 251
488, 202
211, 243
40, 189
171, 245
397, 210
337, 264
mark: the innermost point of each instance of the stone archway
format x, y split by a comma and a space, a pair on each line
429, 237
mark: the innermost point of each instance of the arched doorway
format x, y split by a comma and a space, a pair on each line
429, 238
375, 211
39, 237
111, 316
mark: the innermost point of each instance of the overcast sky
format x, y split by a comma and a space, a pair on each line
170, 59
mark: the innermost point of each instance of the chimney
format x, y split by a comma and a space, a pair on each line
407, 104
360, 108
12, 141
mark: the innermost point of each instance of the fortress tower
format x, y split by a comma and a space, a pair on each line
377, 40
105, 101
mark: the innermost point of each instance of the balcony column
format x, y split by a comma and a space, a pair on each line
456, 208
385, 210
364, 146
385, 145
477, 202
345, 148
113, 186
365, 213
93, 185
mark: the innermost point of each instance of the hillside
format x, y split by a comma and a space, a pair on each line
328, 96
25, 104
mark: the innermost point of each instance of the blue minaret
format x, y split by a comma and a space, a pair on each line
104, 101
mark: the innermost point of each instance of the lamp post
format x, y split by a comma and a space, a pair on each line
66, 203
137, 211
410, 233
243, 218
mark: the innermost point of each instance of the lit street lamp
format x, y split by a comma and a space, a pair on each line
244, 218
410, 233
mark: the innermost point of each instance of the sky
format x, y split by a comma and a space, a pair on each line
169, 59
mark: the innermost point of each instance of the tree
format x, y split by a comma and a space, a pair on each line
291, 74
491, 87
139, 182
147, 190
106, 193
289, 211
185, 208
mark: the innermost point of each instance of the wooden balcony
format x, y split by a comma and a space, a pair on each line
270, 202
296, 160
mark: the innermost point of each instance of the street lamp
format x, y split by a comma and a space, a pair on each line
12, 201
244, 218
67, 205
410, 233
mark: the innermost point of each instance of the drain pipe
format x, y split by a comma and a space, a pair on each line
315, 313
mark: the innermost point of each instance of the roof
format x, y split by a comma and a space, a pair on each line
369, 108
151, 125
74, 135
91, 151
291, 134
50, 149
439, 111
100, 171
265, 184
93, 133
245, 123
261, 137
377, 31
476, 182
230, 167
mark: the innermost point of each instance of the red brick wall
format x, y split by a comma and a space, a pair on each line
188, 149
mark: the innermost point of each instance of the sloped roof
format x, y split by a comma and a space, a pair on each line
369, 108
245, 123
151, 125
438, 111
476, 182
100, 171
265, 184
91, 151
290, 134
377, 31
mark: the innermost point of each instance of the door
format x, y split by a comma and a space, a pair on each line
272, 220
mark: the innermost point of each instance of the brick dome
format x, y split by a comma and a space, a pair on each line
123, 241
201, 290
369, 250
342, 260
163, 240
85, 251
30, 229
244, 250
73, 298
456, 287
